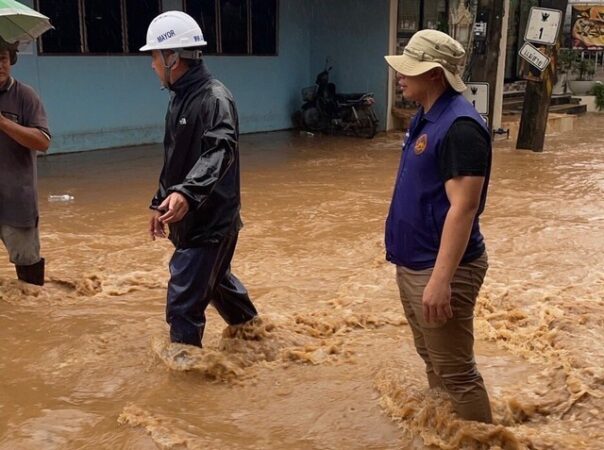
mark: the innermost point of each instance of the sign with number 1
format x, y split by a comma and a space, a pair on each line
543, 26
478, 95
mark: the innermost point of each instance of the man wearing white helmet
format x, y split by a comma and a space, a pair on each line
199, 191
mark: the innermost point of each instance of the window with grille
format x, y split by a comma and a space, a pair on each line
231, 27
237, 27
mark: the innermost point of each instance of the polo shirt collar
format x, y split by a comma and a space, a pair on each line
8, 85
440, 105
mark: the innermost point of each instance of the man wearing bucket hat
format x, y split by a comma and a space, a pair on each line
432, 230
199, 194
23, 131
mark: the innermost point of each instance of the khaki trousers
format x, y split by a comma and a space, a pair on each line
447, 347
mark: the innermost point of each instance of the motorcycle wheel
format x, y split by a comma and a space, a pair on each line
311, 119
367, 123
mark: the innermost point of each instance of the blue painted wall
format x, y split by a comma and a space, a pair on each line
354, 36
108, 101
99, 102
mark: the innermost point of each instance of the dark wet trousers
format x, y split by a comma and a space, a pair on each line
32, 273
200, 276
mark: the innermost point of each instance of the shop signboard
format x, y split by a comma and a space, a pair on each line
587, 27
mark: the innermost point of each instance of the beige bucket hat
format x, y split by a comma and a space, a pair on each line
428, 49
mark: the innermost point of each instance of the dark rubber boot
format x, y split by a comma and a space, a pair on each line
32, 274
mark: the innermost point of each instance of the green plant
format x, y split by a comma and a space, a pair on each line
598, 91
585, 69
566, 60
570, 61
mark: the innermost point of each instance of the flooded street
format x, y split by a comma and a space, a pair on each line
85, 361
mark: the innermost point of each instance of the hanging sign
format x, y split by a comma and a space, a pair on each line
478, 95
534, 56
543, 26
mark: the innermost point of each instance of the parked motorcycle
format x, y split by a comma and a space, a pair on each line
327, 111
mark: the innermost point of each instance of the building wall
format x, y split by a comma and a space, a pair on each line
108, 101
354, 36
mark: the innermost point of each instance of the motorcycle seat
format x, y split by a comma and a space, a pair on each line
349, 97
353, 99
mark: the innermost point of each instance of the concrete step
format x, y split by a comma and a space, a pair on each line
558, 99
515, 103
576, 109
563, 123
563, 99
512, 95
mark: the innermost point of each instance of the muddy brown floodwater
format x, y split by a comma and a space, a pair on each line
84, 361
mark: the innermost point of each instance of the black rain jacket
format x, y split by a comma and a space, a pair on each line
201, 159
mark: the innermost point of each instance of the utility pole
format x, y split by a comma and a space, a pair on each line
499, 85
537, 97
485, 54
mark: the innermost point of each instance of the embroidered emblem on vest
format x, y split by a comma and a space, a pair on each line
421, 144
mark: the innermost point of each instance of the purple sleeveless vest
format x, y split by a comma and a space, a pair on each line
420, 204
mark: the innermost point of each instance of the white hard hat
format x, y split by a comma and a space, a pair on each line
173, 30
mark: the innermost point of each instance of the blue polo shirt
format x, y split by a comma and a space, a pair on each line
419, 205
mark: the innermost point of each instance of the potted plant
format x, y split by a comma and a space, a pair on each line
585, 70
598, 91
566, 62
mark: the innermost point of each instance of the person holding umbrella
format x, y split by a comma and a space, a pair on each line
23, 132
199, 189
